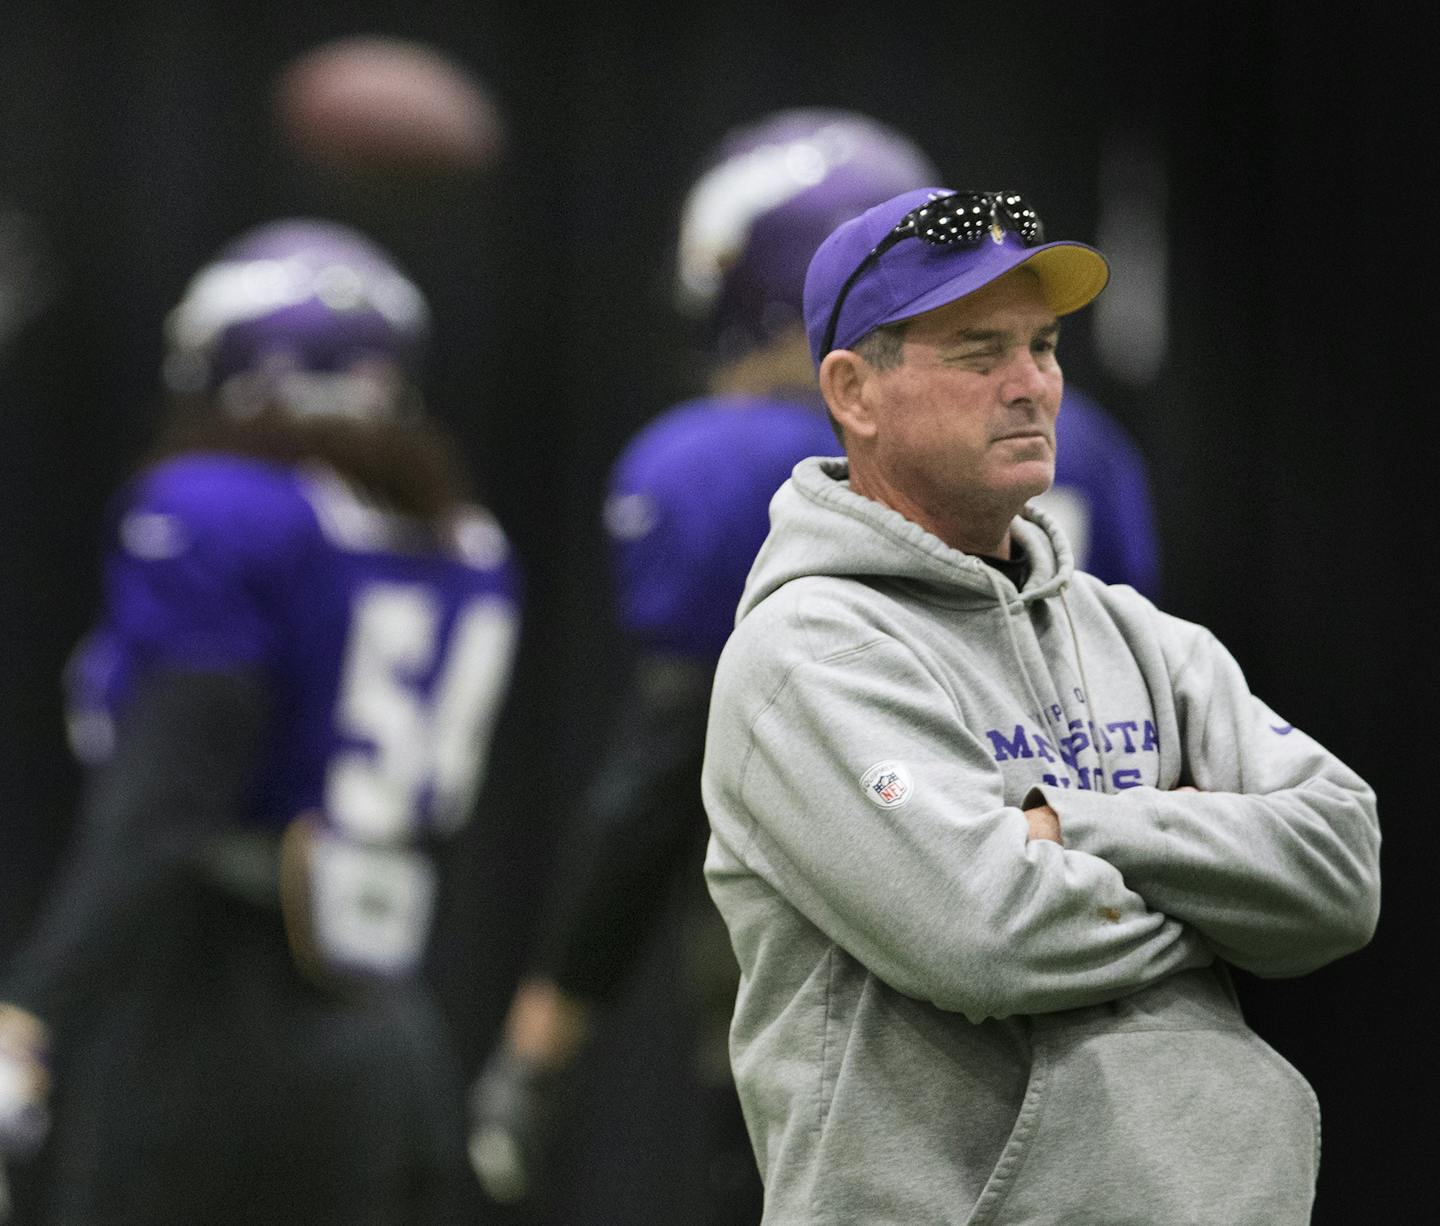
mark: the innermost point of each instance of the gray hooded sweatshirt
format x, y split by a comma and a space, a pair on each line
940, 1021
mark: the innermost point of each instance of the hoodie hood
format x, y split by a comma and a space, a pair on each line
872, 541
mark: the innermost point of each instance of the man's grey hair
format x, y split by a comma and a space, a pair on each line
883, 347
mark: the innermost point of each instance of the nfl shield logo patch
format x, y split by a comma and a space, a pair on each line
887, 784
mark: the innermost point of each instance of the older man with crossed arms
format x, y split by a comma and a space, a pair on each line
987, 832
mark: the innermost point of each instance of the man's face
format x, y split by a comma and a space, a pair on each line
966, 422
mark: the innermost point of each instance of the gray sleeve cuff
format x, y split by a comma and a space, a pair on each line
1116, 827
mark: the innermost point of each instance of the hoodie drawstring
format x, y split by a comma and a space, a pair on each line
1009, 619
1097, 730
1097, 723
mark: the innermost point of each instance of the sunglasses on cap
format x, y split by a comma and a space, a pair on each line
961, 219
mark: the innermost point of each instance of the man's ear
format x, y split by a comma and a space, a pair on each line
844, 375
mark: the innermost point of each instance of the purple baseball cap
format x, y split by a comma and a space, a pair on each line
914, 276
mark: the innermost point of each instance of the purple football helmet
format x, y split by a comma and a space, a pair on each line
305, 314
771, 193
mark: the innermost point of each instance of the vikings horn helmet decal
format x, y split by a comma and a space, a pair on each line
772, 191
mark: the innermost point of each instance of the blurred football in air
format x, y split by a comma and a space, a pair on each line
376, 104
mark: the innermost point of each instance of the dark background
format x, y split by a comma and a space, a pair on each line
1289, 427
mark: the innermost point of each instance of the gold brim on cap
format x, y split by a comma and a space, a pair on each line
1070, 276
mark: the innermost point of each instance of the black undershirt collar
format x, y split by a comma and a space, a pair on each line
1016, 567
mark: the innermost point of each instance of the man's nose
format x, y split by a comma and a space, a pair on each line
1024, 377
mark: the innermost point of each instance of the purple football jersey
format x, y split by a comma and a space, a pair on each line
689, 501
386, 655
688, 510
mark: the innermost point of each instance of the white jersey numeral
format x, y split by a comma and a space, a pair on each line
420, 744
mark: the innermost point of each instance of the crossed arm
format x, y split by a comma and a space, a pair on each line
1266, 858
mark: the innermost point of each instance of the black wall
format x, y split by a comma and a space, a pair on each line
1289, 429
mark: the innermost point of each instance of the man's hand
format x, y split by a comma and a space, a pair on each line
1044, 824
24, 1082
516, 1101
514, 1107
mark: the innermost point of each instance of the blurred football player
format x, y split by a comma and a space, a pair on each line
306, 636
686, 512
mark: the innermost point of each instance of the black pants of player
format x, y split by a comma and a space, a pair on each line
223, 1088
